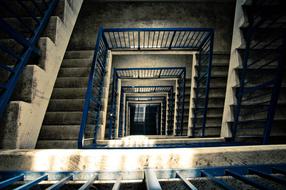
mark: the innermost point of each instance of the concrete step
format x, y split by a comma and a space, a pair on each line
74, 72
63, 9
71, 82
68, 118
213, 102
54, 24
258, 131
76, 62
216, 83
221, 58
65, 105
62, 118
211, 122
59, 132
68, 93
209, 132
51, 144
79, 54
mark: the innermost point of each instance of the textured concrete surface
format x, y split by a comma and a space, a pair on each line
134, 159
38, 82
217, 15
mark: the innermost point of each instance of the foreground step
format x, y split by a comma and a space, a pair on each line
133, 159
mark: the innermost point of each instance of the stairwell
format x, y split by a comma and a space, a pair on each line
33, 91
216, 96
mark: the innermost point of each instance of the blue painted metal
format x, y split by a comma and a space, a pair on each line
141, 99
246, 180
121, 115
146, 39
151, 180
92, 105
59, 184
143, 73
215, 174
264, 52
112, 111
32, 183
150, 73
188, 184
202, 82
88, 183
181, 103
146, 89
28, 43
218, 182
11, 180
171, 103
267, 176
278, 170
155, 38
128, 89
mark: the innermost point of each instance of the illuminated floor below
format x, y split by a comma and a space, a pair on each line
156, 141
138, 159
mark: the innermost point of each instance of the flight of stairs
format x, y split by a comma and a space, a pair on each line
63, 117
33, 90
253, 114
216, 96
186, 107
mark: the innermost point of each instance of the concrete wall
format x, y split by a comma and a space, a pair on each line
153, 60
211, 14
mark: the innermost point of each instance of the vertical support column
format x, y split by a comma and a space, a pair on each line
101, 130
192, 94
161, 124
175, 109
117, 109
127, 119
232, 77
123, 115
167, 115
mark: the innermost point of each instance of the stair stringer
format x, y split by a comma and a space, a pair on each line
23, 120
235, 61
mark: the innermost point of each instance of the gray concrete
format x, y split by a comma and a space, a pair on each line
138, 159
217, 15
34, 90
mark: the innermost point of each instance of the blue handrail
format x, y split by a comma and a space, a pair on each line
129, 89
194, 39
14, 71
263, 176
202, 81
90, 122
143, 99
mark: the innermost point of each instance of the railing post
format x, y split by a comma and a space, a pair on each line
208, 83
89, 95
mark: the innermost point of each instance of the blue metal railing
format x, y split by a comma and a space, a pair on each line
171, 104
181, 103
262, 69
131, 89
149, 73
263, 177
156, 38
121, 116
192, 39
150, 99
90, 122
112, 111
24, 37
202, 85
